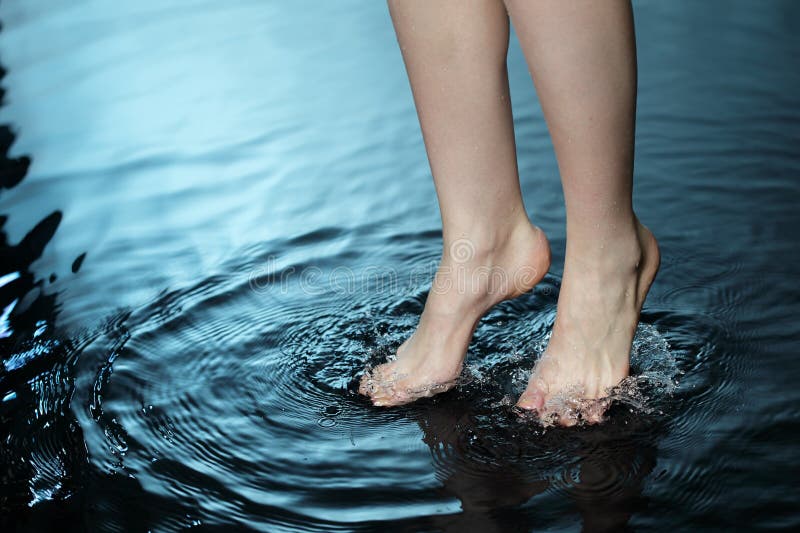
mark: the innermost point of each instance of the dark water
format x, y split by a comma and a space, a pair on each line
248, 184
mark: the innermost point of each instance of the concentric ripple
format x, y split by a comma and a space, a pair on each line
233, 402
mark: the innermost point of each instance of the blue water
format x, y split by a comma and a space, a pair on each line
248, 183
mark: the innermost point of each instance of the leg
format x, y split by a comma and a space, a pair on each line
582, 56
455, 56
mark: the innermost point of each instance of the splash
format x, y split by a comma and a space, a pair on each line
653, 379
495, 381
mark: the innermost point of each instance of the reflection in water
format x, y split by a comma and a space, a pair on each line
505, 481
17, 282
43, 454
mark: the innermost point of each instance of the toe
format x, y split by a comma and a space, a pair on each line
373, 379
365, 385
388, 396
380, 394
595, 410
592, 418
380, 399
567, 420
372, 382
567, 410
533, 399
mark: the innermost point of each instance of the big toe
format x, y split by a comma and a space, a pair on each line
371, 381
378, 388
533, 399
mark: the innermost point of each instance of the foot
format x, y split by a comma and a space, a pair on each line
473, 276
598, 310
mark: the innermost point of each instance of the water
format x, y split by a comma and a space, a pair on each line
248, 184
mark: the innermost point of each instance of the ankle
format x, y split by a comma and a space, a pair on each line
477, 274
484, 243
619, 250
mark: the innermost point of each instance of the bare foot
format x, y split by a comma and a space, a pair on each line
598, 310
472, 277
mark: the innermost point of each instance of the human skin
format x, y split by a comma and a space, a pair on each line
583, 62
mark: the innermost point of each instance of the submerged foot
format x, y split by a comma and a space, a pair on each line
598, 310
473, 276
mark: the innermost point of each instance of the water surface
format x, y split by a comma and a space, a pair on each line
248, 184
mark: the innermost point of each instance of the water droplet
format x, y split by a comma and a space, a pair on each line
326, 422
